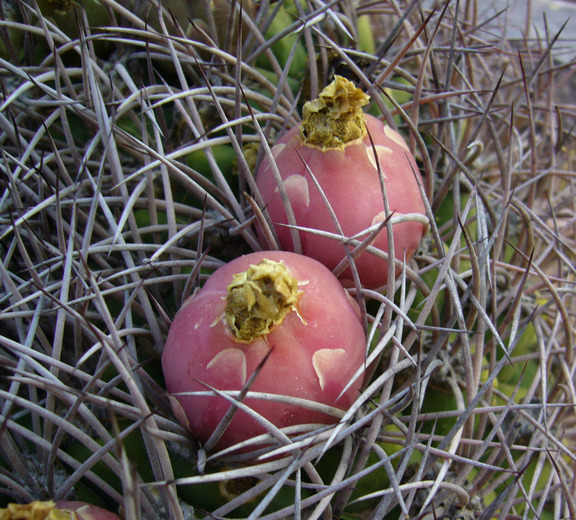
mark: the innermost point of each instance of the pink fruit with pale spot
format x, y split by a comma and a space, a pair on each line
277, 304
345, 166
85, 511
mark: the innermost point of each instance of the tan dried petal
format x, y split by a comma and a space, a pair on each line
36, 510
335, 118
259, 298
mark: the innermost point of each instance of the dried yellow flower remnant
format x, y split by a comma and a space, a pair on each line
233, 488
35, 511
259, 298
335, 118
250, 152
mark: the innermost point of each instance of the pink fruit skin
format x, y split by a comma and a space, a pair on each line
351, 184
327, 318
86, 511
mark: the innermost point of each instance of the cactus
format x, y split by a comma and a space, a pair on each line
108, 222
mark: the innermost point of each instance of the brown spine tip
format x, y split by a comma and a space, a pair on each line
335, 118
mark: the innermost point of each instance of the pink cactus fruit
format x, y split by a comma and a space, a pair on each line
340, 149
282, 310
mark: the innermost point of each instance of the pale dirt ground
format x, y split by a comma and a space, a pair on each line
530, 19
